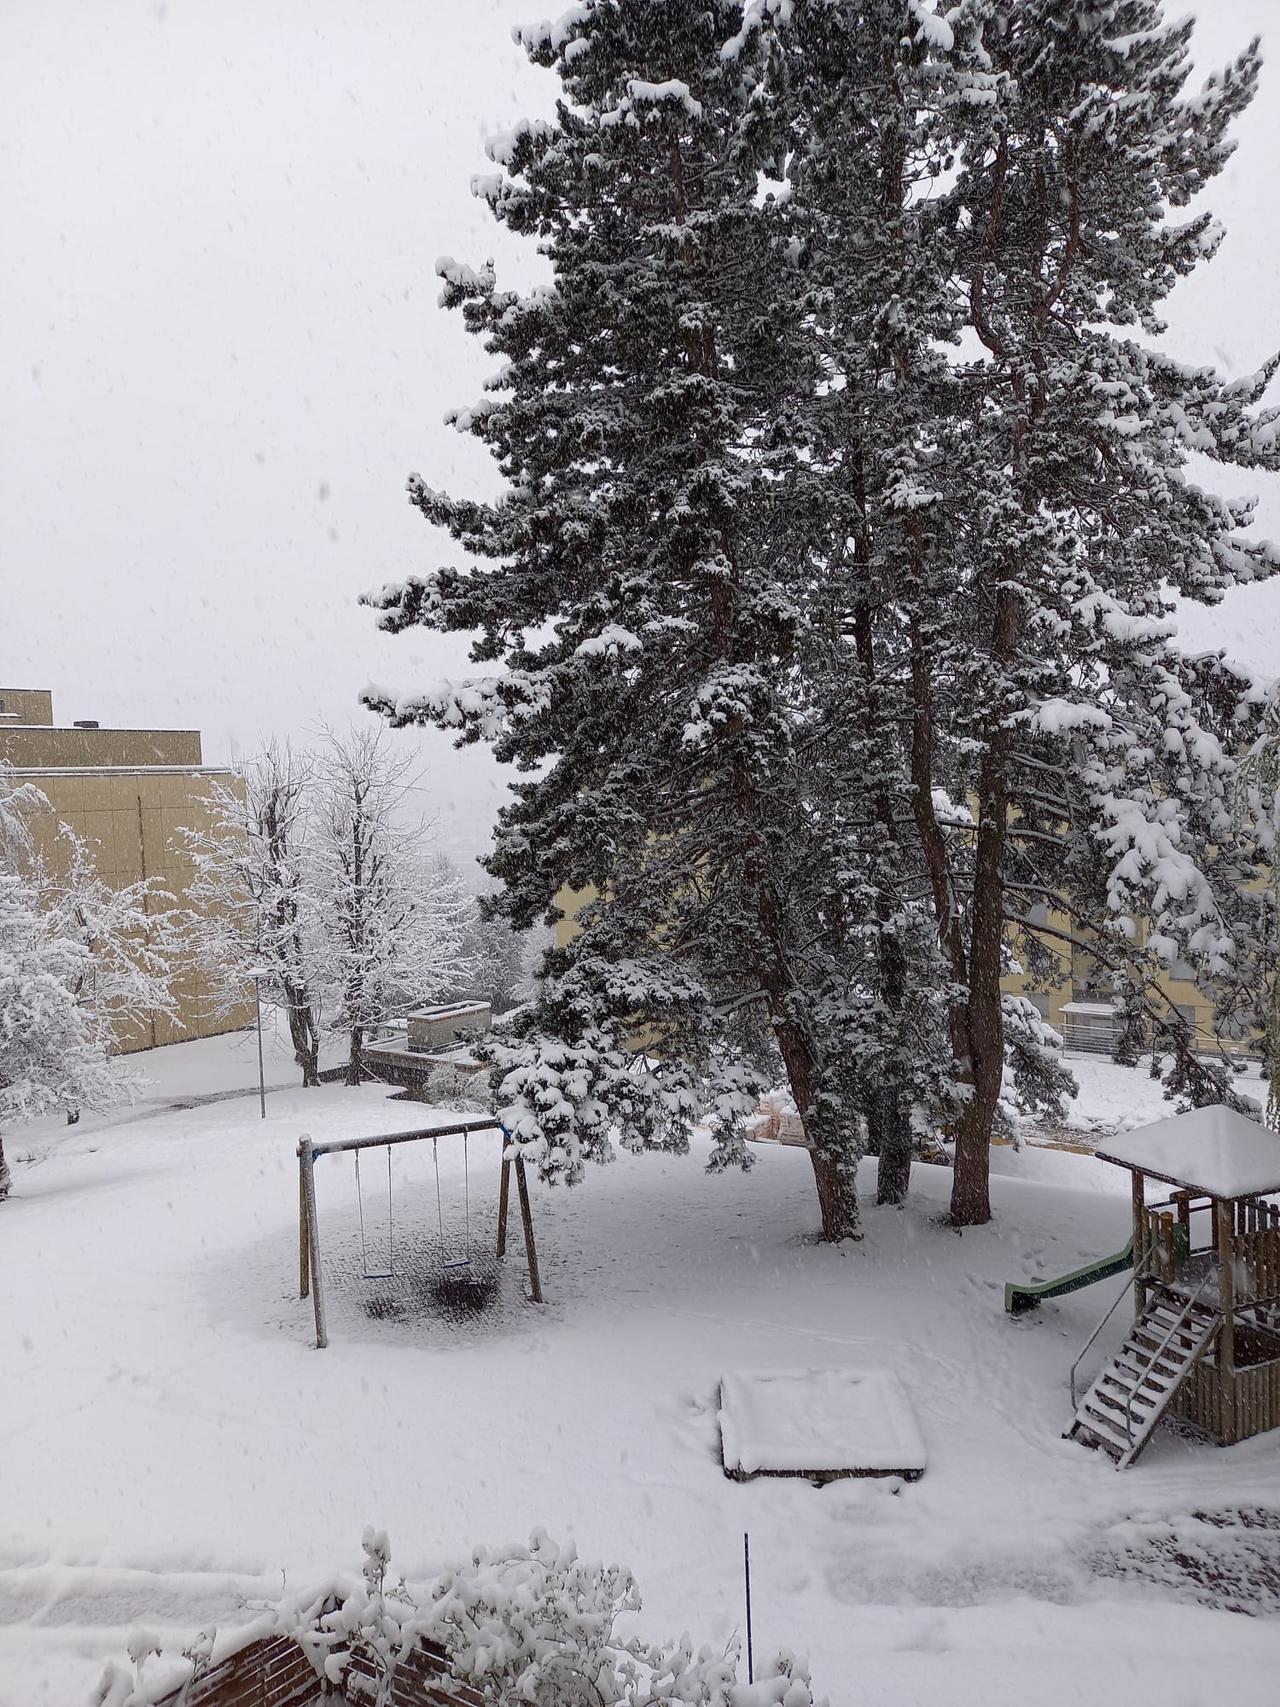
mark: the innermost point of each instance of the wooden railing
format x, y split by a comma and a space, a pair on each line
1182, 1227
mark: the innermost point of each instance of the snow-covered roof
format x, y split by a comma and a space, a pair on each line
1211, 1150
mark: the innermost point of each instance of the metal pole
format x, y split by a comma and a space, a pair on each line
304, 1232
746, 1570
307, 1160
262, 1080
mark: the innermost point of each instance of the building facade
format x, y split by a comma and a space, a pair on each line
129, 794
1075, 998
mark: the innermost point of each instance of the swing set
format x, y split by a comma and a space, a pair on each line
460, 1262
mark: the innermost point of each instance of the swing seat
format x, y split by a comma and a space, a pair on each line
455, 1264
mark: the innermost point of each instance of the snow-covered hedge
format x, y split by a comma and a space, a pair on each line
527, 1626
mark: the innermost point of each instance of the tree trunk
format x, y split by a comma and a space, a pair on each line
970, 1190
891, 1110
836, 1177
355, 1061
970, 1186
834, 1149
306, 1043
897, 1146
5, 1178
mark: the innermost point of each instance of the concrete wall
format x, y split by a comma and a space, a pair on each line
132, 821
27, 747
26, 705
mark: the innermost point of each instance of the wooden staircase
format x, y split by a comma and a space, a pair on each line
1120, 1411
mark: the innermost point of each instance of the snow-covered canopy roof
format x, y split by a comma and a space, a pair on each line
1211, 1150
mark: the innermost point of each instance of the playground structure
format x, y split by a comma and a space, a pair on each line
1205, 1342
309, 1271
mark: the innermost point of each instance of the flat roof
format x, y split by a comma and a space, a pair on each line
119, 770
86, 728
450, 1008
1210, 1150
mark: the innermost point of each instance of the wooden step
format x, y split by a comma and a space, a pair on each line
1174, 1304
1098, 1438
1128, 1397
1105, 1429
1178, 1328
1128, 1375
1124, 1392
1122, 1406
1136, 1361
1177, 1345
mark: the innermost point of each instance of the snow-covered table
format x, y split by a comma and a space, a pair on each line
818, 1423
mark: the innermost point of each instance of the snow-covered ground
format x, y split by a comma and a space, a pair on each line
218, 1066
174, 1448
1112, 1098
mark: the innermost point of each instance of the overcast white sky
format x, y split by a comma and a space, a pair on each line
220, 351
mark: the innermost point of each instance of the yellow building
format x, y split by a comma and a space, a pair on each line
128, 794
1077, 1002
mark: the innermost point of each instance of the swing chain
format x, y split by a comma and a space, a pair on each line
389, 1272
463, 1261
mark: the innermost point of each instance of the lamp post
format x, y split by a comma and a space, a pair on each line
262, 1078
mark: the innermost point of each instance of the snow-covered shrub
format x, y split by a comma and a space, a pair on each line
452, 1088
535, 1624
527, 1626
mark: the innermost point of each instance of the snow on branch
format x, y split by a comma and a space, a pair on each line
480, 705
658, 97
554, 34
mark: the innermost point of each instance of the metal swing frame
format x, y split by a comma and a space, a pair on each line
309, 1271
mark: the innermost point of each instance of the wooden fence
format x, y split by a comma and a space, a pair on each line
275, 1672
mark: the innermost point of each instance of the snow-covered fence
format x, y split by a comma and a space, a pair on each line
278, 1671
521, 1625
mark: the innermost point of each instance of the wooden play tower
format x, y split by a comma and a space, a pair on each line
1205, 1342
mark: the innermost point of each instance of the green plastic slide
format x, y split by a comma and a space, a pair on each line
1026, 1294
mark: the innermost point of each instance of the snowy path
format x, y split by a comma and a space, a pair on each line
173, 1447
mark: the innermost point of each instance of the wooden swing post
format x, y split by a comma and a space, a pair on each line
504, 1198
526, 1216
306, 1164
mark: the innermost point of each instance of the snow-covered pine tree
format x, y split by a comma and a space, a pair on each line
389, 929
1099, 758
857, 92
252, 911
1258, 807
636, 585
